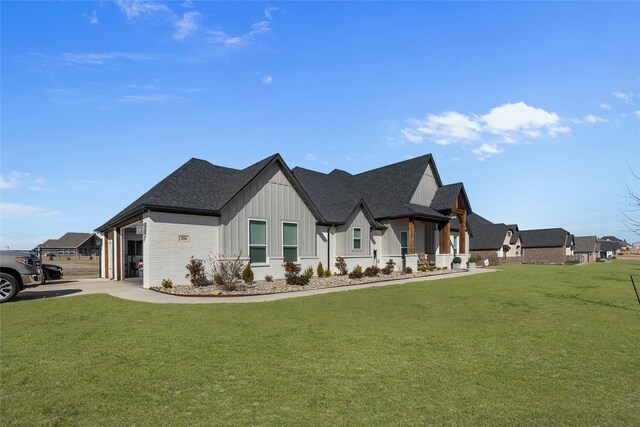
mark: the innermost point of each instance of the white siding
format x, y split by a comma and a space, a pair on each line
390, 244
344, 236
165, 256
426, 188
269, 197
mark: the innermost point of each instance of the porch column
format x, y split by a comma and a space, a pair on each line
105, 254
445, 242
463, 231
412, 237
117, 274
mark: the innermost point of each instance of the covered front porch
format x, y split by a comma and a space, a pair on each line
436, 244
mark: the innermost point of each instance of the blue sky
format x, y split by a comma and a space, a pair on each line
534, 106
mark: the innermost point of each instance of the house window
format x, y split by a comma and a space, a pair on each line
404, 243
290, 241
257, 241
357, 238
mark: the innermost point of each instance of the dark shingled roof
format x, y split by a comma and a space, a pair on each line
488, 237
69, 240
608, 245
611, 238
545, 238
201, 187
514, 237
586, 243
386, 191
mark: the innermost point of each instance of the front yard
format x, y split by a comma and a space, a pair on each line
539, 345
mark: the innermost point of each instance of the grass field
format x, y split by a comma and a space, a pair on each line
529, 345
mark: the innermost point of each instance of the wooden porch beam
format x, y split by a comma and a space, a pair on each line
462, 219
445, 235
412, 237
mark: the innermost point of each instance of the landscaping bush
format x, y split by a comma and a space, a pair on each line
247, 274
600, 260
308, 272
572, 261
407, 270
292, 274
372, 271
327, 273
167, 283
423, 268
472, 260
226, 273
388, 269
356, 273
268, 278
320, 270
457, 260
341, 265
196, 274
90, 257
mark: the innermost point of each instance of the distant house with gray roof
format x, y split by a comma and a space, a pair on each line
498, 243
587, 247
269, 214
547, 246
71, 244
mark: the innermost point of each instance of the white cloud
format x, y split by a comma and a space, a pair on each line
19, 210
591, 119
136, 8
145, 99
187, 25
91, 17
312, 158
267, 79
623, 96
605, 106
102, 58
220, 38
637, 113
507, 124
23, 180
268, 12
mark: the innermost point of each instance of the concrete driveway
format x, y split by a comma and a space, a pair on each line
132, 290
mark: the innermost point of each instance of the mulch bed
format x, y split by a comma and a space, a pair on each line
262, 287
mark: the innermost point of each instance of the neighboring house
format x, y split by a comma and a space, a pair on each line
71, 244
269, 214
608, 248
587, 248
622, 243
498, 243
547, 246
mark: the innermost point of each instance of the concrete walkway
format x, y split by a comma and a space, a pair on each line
132, 290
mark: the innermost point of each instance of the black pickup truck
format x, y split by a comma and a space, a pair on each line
18, 270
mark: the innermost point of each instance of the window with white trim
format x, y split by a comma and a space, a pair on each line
290, 241
404, 243
257, 241
357, 238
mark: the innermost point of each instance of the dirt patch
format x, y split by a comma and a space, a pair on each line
76, 267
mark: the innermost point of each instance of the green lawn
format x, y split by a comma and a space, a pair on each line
542, 345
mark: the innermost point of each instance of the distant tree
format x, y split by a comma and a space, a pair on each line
631, 210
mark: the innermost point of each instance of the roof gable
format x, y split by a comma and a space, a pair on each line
586, 243
545, 238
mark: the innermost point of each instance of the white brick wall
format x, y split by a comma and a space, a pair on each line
165, 256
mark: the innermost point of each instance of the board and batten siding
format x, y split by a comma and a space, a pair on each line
426, 188
344, 235
425, 237
268, 197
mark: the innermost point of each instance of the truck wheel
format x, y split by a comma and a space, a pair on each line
8, 287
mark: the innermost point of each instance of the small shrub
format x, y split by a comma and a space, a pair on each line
457, 260
308, 272
407, 270
613, 257
341, 265
600, 260
320, 270
327, 273
268, 278
218, 280
247, 274
226, 273
90, 257
356, 273
423, 268
472, 260
445, 268
196, 274
69, 258
372, 271
292, 274
388, 269
167, 283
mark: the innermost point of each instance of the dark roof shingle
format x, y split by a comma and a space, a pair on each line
544, 238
